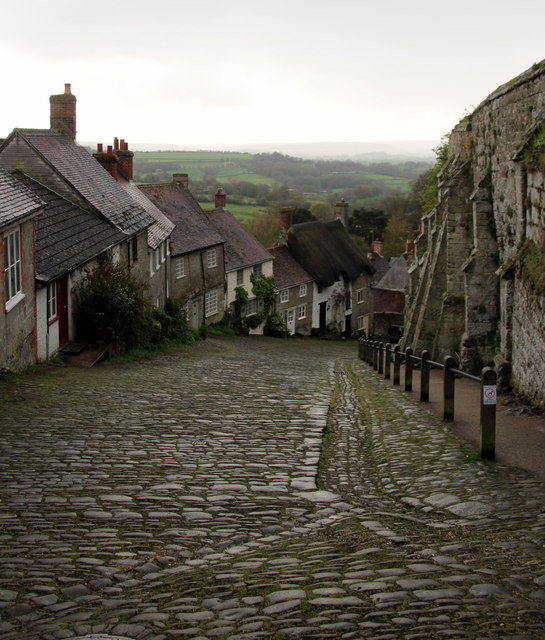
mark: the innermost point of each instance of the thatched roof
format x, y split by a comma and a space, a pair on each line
326, 251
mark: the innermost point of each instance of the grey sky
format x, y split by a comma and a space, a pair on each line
211, 73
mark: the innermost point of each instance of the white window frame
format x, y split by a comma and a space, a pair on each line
240, 277
52, 301
180, 267
211, 303
13, 267
163, 252
211, 258
302, 312
303, 290
157, 259
251, 307
258, 270
359, 296
151, 261
285, 295
360, 323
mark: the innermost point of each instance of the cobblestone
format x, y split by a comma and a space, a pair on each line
255, 488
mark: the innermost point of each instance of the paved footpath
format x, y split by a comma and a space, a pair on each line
255, 488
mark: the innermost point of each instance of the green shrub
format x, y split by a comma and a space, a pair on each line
111, 305
275, 326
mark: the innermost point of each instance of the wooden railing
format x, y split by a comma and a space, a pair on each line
383, 355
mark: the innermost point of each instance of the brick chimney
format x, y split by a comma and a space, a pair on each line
220, 199
63, 112
286, 218
340, 212
108, 160
125, 158
378, 246
182, 179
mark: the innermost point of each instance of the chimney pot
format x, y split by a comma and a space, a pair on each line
100, 147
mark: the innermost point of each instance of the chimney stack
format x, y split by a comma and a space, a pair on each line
286, 218
117, 159
220, 199
378, 246
63, 112
182, 179
340, 212
108, 160
125, 157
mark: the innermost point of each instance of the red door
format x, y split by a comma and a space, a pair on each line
62, 309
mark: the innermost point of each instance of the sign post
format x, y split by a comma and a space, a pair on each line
489, 397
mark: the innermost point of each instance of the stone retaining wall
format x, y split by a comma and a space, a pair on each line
467, 294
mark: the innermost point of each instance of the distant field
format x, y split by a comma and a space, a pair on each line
199, 165
191, 156
242, 212
403, 184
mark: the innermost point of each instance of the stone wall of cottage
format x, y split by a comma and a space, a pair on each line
17, 326
469, 292
362, 305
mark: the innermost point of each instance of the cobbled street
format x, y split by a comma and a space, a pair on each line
250, 488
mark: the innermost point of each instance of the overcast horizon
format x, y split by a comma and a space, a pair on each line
217, 75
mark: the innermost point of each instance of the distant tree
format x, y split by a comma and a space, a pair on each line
395, 235
425, 189
302, 215
368, 223
321, 211
265, 227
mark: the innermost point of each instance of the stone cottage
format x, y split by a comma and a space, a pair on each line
342, 275
197, 274
19, 208
53, 158
68, 241
294, 292
244, 256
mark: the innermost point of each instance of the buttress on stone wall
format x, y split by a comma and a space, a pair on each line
470, 293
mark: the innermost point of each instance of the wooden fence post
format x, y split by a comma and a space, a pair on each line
380, 359
387, 360
397, 362
488, 413
408, 369
448, 388
425, 377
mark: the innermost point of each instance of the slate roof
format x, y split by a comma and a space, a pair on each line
326, 251
16, 201
67, 236
287, 271
193, 230
77, 167
380, 264
241, 247
161, 229
397, 276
